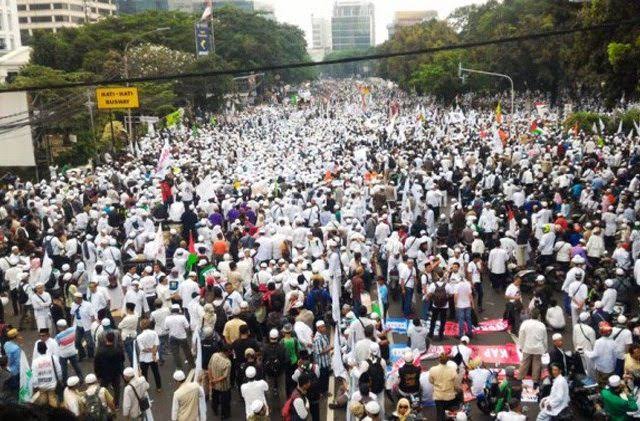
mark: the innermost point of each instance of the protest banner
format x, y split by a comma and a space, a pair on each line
397, 325
486, 326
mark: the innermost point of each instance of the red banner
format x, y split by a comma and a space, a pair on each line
486, 326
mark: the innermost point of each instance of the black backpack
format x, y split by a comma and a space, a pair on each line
440, 298
272, 365
23, 297
93, 408
221, 318
376, 375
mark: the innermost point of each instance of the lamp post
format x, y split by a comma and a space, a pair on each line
482, 72
126, 72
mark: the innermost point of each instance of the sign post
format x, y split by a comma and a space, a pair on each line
203, 38
115, 98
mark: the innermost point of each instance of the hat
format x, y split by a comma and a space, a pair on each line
556, 337
73, 381
465, 339
273, 334
128, 372
374, 349
90, 378
192, 275
622, 319
408, 357
608, 282
584, 316
257, 405
577, 259
179, 376
287, 328
175, 306
61, 323
105, 322
598, 304
244, 304
77, 295
614, 381
65, 267
250, 372
320, 323
249, 351
372, 407
12, 333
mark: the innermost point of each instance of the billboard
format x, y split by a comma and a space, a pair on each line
117, 98
203, 38
15, 132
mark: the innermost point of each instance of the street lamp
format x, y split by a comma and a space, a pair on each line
482, 72
126, 71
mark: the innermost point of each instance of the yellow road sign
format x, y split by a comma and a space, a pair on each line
114, 98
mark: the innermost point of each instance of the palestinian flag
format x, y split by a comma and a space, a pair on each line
499, 113
206, 272
193, 256
534, 129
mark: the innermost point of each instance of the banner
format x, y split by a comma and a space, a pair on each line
174, 118
487, 326
397, 325
203, 38
506, 354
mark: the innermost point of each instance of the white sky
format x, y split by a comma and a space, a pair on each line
298, 12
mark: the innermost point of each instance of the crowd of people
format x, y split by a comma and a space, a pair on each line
260, 257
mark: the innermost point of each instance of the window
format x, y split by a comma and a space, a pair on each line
3, 44
23, 20
76, 8
61, 6
22, 7
59, 18
40, 19
40, 6
76, 19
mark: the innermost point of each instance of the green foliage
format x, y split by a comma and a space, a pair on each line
586, 120
351, 69
439, 77
204, 92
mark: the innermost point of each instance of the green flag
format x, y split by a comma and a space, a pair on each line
174, 118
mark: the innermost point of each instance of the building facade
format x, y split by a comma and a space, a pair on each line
50, 15
352, 25
137, 6
320, 38
410, 18
9, 29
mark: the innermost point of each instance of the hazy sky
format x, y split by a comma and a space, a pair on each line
298, 12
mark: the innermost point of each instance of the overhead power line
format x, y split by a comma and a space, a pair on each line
235, 72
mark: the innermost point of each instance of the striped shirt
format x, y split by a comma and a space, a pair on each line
219, 366
320, 343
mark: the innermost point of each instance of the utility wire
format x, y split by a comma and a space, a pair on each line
473, 44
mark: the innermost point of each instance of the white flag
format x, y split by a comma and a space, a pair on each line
619, 127
601, 124
26, 388
165, 158
161, 252
46, 268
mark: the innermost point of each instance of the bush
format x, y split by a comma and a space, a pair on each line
585, 121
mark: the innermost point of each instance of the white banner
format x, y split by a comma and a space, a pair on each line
15, 133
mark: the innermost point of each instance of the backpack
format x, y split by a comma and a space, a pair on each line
51, 282
440, 298
376, 375
288, 405
221, 318
272, 365
93, 408
23, 297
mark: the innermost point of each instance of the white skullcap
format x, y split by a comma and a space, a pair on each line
105, 322
179, 376
584, 316
374, 348
556, 337
408, 356
90, 378
73, 381
608, 282
128, 372
192, 275
61, 323
614, 381
273, 334
250, 372
465, 339
320, 323
622, 319
244, 304
77, 295
372, 407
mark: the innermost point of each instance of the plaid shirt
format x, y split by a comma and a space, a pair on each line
320, 343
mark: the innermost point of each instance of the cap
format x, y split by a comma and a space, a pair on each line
90, 378
179, 376
128, 372
374, 348
584, 316
175, 306
320, 323
61, 323
273, 334
256, 406
287, 328
105, 322
372, 407
464, 339
614, 381
556, 337
408, 356
12, 333
77, 295
622, 319
608, 282
244, 304
73, 381
250, 372
192, 275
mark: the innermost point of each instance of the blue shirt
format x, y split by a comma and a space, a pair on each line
13, 351
384, 293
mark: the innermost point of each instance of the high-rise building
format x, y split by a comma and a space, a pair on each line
137, 6
353, 25
409, 18
9, 29
320, 38
53, 14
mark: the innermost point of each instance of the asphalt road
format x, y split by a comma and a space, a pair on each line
161, 401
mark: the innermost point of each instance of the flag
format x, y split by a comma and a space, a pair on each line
601, 124
26, 388
174, 118
164, 160
499, 113
46, 268
337, 365
503, 135
600, 141
533, 126
294, 99
594, 128
198, 356
161, 252
193, 256
335, 299
207, 14
619, 127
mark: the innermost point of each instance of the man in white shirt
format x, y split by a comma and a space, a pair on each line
609, 297
136, 297
497, 265
253, 390
463, 300
45, 337
41, 301
186, 290
158, 316
558, 399
178, 326
128, 327
99, 299
83, 316
46, 374
578, 293
622, 337
148, 343
532, 340
407, 281
604, 354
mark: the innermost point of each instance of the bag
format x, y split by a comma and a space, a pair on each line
376, 375
221, 318
94, 410
23, 297
48, 247
440, 298
458, 359
272, 366
143, 402
287, 407
51, 282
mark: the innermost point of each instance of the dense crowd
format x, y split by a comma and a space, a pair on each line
259, 257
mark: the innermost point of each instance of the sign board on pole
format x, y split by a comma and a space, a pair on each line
117, 98
149, 119
203, 38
